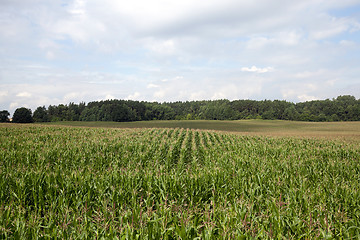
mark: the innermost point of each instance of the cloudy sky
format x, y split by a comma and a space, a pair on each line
63, 51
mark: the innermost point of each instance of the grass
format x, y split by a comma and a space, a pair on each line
175, 183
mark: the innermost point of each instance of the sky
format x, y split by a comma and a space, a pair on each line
61, 51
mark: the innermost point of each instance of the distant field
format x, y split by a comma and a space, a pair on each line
348, 130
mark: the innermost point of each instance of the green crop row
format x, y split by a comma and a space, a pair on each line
92, 183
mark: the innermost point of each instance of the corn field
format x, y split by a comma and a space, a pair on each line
94, 183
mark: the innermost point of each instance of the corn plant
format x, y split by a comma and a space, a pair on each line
93, 183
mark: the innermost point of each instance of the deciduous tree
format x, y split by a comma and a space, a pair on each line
4, 116
22, 115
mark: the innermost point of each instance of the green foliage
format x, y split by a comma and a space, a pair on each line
343, 108
4, 116
41, 115
218, 110
87, 183
22, 115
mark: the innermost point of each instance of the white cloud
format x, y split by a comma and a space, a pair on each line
159, 95
199, 95
50, 55
305, 98
166, 47
4, 93
178, 77
151, 85
311, 86
242, 90
286, 39
256, 69
257, 42
328, 32
109, 97
14, 105
134, 96
77, 8
72, 96
347, 43
311, 74
327, 26
288, 93
176, 50
331, 82
24, 94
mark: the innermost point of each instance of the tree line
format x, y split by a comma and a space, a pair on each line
342, 108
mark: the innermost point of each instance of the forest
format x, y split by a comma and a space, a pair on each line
342, 108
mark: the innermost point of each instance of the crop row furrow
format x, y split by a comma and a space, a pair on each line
176, 150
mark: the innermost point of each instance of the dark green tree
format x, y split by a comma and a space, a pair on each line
342, 108
268, 114
290, 113
22, 115
4, 116
41, 115
89, 114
